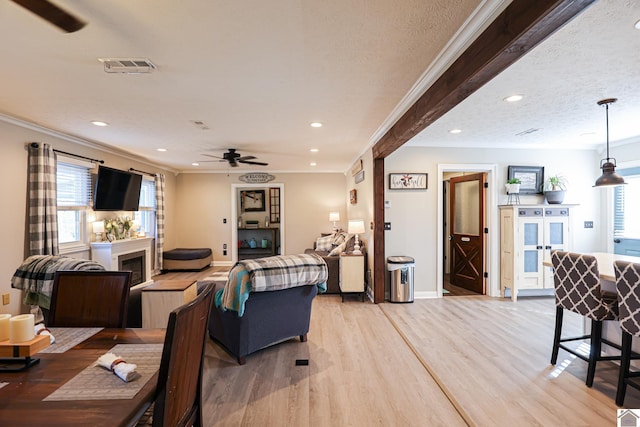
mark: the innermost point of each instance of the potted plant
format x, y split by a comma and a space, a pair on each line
513, 186
554, 189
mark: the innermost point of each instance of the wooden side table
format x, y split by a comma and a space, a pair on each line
351, 274
162, 297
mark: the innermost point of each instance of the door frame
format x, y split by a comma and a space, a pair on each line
491, 221
234, 215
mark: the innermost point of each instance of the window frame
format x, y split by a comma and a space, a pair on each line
82, 243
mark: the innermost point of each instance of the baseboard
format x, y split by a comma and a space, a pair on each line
530, 293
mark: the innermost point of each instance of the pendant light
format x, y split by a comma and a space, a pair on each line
609, 177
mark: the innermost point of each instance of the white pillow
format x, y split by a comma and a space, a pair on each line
338, 249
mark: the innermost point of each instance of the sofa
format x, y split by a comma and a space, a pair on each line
266, 317
339, 242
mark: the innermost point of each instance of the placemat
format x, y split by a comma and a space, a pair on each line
95, 382
67, 338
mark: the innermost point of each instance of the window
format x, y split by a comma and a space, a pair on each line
146, 214
73, 185
627, 206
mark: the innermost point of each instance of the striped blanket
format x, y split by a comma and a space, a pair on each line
271, 274
35, 276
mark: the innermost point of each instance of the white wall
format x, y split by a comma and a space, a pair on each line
413, 214
13, 183
204, 201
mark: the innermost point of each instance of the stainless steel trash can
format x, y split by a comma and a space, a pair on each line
401, 270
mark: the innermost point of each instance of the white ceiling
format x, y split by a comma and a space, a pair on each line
257, 73
596, 56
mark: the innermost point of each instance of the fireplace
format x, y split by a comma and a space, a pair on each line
134, 262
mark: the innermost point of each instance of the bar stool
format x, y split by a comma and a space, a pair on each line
577, 289
628, 287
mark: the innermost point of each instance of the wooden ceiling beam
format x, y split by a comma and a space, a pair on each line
518, 29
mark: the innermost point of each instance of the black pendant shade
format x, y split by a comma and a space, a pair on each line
609, 176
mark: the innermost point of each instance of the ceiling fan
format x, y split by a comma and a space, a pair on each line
52, 13
234, 158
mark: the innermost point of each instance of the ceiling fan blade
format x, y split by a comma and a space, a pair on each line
54, 14
211, 155
253, 163
243, 158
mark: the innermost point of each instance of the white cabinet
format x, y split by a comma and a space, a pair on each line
528, 233
351, 274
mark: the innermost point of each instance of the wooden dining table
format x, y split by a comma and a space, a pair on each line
605, 267
23, 394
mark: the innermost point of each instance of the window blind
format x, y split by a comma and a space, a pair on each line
73, 185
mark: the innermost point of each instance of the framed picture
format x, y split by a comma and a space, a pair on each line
407, 181
353, 196
252, 200
531, 178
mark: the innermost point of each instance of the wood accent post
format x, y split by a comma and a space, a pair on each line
379, 267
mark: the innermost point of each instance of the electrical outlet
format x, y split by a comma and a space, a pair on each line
224, 252
588, 224
224, 246
6, 299
224, 220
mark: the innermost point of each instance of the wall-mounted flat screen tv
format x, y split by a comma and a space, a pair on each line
116, 190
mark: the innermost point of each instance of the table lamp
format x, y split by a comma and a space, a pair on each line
334, 216
356, 226
98, 228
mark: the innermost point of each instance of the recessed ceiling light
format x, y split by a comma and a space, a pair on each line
513, 98
312, 164
455, 131
637, 25
314, 150
316, 125
162, 149
99, 123
195, 164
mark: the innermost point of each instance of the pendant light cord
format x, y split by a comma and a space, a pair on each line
606, 106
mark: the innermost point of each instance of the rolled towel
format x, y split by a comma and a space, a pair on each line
40, 329
125, 371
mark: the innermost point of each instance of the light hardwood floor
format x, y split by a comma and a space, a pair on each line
442, 362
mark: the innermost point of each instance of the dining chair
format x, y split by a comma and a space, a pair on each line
178, 399
577, 288
89, 299
628, 288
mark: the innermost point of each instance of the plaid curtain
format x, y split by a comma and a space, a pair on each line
43, 212
159, 219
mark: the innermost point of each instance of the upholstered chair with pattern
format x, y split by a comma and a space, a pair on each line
628, 287
577, 289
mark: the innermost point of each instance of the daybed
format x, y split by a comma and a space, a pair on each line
186, 259
260, 317
329, 247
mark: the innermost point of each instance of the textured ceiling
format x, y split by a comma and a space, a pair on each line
596, 56
256, 73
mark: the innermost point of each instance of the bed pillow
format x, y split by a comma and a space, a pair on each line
324, 243
338, 249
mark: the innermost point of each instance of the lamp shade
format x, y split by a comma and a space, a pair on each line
334, 216
98, 227
356, 226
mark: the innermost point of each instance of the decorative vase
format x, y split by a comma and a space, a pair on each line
512, 188
554, 197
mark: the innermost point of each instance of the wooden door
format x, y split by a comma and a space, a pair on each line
466, 210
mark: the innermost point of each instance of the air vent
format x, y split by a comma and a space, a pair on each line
127, 65
528, 131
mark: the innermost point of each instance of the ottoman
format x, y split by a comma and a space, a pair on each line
186, 259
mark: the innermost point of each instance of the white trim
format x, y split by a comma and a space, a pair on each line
426, 295
234, 215
492, 248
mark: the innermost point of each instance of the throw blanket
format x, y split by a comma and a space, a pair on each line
271, 274
35, 276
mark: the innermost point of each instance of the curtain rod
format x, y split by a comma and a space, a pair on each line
146, 173
36, 145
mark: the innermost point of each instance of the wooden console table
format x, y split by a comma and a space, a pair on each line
246, 234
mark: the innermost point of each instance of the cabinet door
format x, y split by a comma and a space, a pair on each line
556, 236
530, 269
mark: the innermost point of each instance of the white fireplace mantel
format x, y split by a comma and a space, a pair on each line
107, 253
